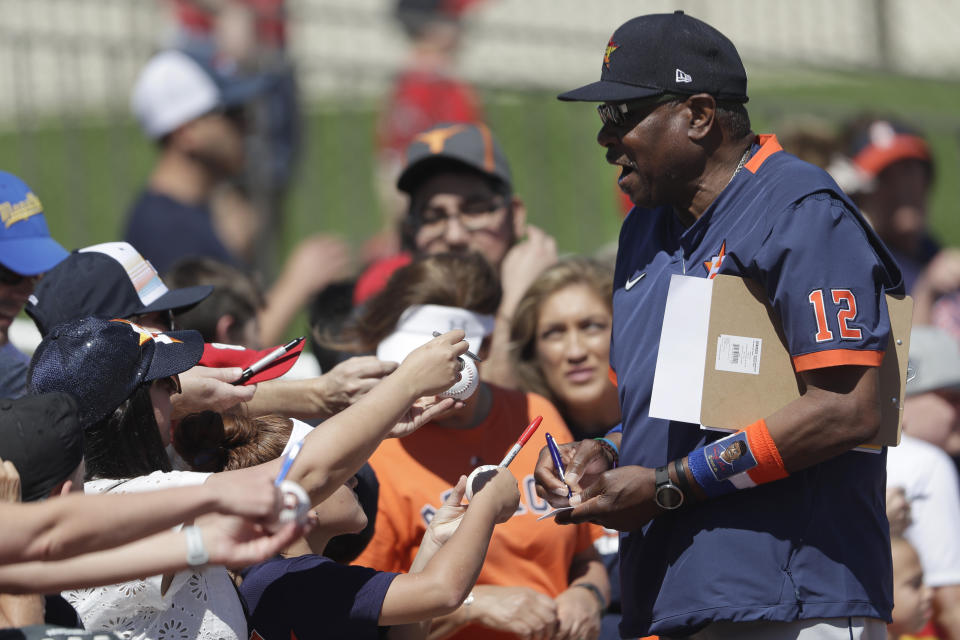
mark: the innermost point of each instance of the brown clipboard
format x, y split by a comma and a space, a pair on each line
732, 400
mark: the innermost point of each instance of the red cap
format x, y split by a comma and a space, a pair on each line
884, 143
374, 279
231, 355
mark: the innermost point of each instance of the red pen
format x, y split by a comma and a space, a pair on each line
515, 449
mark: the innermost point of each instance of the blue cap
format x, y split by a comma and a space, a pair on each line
25, 243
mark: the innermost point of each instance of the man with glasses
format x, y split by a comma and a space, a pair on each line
26, 252
461, 199
714, 547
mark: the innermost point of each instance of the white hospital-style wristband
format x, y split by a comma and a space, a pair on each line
197, 555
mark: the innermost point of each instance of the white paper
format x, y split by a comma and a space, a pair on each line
678, 377
738, 354
555, 512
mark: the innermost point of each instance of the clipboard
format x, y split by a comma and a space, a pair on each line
753, 376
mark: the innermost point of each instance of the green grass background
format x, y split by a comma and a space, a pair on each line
87, 170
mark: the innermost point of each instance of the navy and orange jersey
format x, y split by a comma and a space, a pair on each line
775, 552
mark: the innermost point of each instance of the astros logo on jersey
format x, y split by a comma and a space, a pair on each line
611, 47
713, 264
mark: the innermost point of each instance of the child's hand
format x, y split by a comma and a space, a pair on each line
447, 518
502, 490
435, 366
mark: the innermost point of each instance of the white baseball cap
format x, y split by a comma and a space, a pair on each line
172, 89
417, 324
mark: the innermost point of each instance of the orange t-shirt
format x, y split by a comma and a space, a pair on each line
416, 472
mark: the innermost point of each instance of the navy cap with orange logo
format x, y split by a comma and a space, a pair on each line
666, 53
449, 146
102, 362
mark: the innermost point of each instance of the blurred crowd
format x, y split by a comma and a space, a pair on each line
148, 374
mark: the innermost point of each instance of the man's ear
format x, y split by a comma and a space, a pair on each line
702, 108
225, 324
519, 212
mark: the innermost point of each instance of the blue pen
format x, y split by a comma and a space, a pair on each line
557, 461
288, 462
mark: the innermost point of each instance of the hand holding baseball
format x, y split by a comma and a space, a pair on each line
436, 365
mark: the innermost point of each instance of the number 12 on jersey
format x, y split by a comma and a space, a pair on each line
846, 306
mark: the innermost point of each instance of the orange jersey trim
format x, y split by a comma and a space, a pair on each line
769, 145
612, 375
836, 358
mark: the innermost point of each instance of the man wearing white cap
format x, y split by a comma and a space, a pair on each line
195, 116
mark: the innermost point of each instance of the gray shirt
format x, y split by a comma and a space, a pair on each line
13, 372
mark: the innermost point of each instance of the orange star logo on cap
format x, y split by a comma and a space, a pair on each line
611, 47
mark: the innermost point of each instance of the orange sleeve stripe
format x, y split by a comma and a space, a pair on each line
769, 463
836, 358
769, 145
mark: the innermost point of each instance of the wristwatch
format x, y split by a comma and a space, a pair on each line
668, 495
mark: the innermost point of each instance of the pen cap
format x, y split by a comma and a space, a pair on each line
231, 355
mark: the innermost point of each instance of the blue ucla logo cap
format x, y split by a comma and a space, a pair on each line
25, 243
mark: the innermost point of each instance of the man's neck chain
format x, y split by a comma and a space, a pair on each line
743, 161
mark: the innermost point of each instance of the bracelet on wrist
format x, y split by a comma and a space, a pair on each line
197, 555
595, 590
611, 451
682, 481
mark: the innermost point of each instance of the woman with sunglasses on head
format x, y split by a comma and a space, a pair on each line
118, 371
560, 348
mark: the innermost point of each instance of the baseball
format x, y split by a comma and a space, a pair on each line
469, 381
295, 503
479, 477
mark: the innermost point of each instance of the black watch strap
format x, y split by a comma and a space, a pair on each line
667, 495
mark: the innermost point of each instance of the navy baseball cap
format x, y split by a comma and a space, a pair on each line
102, 362
464, 145
109, 280
666, 53
41, 436
26, 247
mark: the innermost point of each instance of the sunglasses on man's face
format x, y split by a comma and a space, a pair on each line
616, 114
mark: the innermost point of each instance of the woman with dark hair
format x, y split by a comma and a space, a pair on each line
560, 348
538, 578
113, 368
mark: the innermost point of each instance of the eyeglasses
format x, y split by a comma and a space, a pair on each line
617, 113
475, 215
12, 278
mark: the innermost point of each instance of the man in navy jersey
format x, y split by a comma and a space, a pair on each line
779, 530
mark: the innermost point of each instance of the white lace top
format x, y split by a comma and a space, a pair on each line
198, 605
